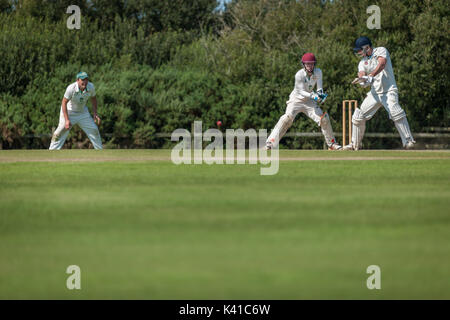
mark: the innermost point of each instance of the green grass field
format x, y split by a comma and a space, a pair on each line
141, 227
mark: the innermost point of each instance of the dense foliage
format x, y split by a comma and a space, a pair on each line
160, 65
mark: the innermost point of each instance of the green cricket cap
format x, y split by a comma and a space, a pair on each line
82, 75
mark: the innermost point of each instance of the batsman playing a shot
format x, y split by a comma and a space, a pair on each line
304, 99
375, 70
74, 111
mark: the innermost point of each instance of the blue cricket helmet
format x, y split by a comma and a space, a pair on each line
361, 42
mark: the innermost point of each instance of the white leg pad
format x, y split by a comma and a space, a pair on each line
280, 129
404, 130
327, 130
398, 114
358, 128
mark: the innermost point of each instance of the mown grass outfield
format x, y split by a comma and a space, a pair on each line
141, 227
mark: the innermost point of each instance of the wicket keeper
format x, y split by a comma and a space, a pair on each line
304, 99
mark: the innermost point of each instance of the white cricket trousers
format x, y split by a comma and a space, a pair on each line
311, 110
370, 106
86, 123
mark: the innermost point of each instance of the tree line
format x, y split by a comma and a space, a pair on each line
161, 65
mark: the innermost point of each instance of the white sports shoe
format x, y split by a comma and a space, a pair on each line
335, 146
410, 145
348, 147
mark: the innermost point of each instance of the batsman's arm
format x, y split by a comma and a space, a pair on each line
65, 113
380, 66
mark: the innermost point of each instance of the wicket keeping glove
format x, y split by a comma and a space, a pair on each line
322, 95
315, 97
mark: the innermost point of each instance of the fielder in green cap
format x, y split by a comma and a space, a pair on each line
82, 75
74, 111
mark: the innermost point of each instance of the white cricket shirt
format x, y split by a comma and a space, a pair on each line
304, 84
385, 80
78, 99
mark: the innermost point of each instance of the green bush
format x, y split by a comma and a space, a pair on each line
156, 73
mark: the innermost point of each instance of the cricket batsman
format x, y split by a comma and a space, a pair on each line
304, 99
375, 70
74, 111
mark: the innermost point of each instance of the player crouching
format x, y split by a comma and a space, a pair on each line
304, 99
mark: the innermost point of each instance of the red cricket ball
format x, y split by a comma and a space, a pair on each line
219, 123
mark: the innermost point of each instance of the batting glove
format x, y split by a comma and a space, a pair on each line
369, 79
364, 84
